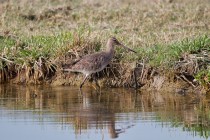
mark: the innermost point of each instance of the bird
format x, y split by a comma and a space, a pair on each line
93, 63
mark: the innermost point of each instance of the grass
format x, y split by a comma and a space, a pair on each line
167, 54
160, 31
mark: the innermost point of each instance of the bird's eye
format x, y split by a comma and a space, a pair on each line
114, 39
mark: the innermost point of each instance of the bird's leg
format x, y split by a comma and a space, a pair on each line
81, 92
84, 80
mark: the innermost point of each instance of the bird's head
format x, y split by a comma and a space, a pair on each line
113, 41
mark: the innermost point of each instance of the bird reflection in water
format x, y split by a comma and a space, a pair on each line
102, 113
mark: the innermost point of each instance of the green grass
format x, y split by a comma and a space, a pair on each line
167, 54
161, 32
203, 76
50, 47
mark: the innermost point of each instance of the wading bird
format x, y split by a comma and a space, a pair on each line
95, 62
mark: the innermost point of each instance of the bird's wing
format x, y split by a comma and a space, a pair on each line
94, 58
75, 61
93, 61
69, 65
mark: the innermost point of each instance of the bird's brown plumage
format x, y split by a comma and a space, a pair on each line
96, 62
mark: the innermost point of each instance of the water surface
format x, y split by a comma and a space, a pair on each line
66, 113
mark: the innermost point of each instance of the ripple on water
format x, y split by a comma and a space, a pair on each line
115, 113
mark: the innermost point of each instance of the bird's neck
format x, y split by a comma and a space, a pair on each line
109, 48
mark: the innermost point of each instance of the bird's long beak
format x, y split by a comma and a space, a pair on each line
127, 48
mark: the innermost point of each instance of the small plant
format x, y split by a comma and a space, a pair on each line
203, 77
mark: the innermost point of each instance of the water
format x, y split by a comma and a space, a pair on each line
66, 113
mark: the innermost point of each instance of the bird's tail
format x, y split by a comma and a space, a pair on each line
66, 67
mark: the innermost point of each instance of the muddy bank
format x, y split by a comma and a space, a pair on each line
181, 77
171, 40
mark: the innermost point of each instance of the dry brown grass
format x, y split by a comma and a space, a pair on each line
139, 23
88, 24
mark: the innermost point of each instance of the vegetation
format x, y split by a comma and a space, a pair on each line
36, 37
